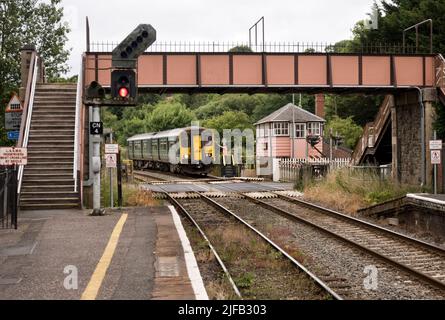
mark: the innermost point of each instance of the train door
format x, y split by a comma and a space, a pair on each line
197, 155
155, 149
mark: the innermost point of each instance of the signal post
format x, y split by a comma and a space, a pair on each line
123, 93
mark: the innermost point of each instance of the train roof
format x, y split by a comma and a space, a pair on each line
142, 136
162, 134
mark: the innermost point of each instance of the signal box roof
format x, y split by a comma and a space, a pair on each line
290, 112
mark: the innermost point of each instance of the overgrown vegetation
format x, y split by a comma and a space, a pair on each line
349, 190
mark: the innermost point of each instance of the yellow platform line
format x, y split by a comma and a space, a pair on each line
98, 276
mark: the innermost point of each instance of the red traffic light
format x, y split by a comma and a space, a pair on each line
123, 92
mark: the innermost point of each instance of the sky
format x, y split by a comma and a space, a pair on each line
212, 20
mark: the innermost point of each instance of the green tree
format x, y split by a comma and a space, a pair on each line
362, 109
229, 120
346, 128
169, 115
30, 22
241, 48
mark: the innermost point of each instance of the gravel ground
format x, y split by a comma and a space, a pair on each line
216, 283
341, 267
259, 271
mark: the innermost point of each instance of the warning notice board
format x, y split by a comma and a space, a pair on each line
435, 157
111, 160
13, 156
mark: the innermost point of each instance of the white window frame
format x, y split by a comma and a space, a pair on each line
281, 129
266, 130
302, 128
314, 128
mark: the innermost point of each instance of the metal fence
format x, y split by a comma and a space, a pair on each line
270, 47
8, 196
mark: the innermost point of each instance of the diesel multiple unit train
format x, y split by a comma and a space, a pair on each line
186, 150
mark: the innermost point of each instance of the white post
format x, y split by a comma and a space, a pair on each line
276, 169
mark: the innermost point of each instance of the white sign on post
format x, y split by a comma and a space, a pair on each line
13, 156
435, 144
111, 160
435, 157
112, 148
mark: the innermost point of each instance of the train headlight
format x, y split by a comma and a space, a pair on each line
186, 156
209, 155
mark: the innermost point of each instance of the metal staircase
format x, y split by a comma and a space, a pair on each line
48, 181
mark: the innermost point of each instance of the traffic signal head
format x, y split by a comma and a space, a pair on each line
127, 52
95, 91
123, 85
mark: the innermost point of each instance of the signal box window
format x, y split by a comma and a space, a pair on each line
281, 128
300, 130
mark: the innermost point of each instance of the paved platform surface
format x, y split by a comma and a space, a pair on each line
220, 187
431, 201
41, 259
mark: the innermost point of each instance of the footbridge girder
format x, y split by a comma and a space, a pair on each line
271, 72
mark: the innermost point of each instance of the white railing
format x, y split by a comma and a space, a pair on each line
76, 159
28, 119
291, 170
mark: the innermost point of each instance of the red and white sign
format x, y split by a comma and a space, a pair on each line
112, 148
111, 160
435, 157
13, 156
14, 105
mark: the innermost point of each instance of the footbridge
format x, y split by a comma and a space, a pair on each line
414, 81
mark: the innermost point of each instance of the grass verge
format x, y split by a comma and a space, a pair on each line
348, 191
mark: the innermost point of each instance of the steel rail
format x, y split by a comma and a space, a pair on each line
363, 223
297, 264
218, 258
436, 283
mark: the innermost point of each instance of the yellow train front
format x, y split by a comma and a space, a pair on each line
188, 150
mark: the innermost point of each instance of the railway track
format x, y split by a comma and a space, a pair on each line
408, 267
286, 279
154, 177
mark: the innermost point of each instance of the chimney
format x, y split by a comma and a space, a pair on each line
319, 105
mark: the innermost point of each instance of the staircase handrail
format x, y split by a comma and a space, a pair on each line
76, 164
440, 71
27, 113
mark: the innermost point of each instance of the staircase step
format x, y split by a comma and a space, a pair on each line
46, 175
51, 94
48, 195
50, 200
47, 159
68, 112
48, 147
53, 117
42, 138
44, 143
49, 169
40, 132
48, 182
47, 188
55, 104
48, 206
52, 126
53, 166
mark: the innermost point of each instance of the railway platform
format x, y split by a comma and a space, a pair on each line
131, 253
